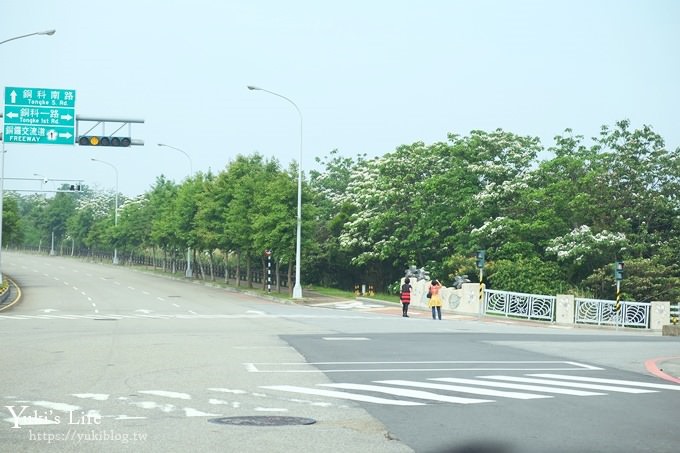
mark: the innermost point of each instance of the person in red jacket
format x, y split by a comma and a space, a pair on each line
405, 297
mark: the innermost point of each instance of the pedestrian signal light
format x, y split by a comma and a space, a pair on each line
618, 271
96, 140
481, 258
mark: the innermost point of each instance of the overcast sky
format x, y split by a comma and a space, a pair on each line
368, 76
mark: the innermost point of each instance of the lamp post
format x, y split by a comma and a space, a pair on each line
115, 215
2, 158
297, 289
189, 272
43, 181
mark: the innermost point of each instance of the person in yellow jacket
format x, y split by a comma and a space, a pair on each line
435, 301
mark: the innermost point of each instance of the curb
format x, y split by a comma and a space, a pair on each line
16, 300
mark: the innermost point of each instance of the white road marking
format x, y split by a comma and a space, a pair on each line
153, 405
345, 338
569, 384
608, 381
94, 396
182, 396
191, 412
341, 395
535, 388
419, 394
459, 388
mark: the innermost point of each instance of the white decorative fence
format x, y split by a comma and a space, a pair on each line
582, 311
519, 305
604, 313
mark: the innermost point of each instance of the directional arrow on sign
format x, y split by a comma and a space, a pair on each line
12, 115
13, 96
65, 135
66, 117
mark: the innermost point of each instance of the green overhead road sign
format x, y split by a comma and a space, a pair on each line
39, 115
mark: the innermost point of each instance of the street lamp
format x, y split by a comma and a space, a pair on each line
191, 166
2, 159
42, 181
297, 289
189, 273
47, 32
115, 216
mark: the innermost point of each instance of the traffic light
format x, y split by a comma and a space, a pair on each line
618, 271
98, 140
481, 256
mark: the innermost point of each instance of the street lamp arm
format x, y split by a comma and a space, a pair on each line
47, 32
251, 87
191, 165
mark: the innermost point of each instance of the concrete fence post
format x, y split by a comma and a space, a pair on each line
660, 315
565, 309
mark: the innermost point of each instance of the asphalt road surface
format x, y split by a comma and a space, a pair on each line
102, 358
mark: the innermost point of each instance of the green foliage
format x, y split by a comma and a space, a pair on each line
645, 280
547, 226
526, 275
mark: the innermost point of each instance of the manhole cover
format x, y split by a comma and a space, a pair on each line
262, 420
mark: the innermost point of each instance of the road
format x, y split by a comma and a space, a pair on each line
102, 358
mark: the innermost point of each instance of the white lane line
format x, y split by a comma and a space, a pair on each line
167, 394
533, 388
608, 381
345, 338
161, 299
460, 388
609, 388
146, 293
341, 395
419, 394
131, 288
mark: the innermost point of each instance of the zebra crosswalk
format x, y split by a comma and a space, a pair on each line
484, 389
